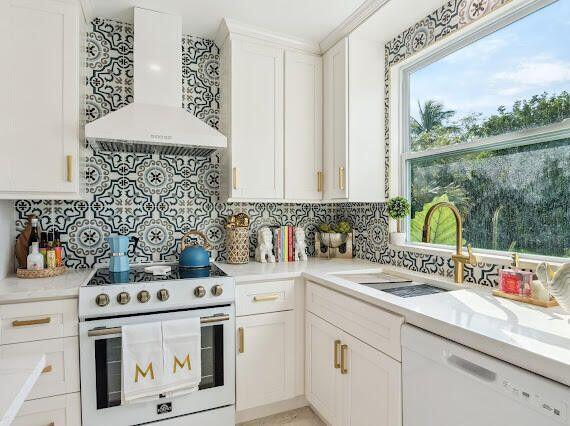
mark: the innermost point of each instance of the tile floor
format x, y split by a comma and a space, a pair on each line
300, 417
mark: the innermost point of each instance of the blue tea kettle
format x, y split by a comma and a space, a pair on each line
194, 255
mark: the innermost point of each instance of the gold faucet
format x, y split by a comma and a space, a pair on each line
459, 259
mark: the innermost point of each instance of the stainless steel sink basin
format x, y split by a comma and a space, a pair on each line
392, 284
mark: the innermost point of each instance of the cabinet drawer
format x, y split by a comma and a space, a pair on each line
259, 298
61, 374
63, 410
27, 322
374, 326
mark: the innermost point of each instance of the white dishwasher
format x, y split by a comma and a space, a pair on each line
447, 384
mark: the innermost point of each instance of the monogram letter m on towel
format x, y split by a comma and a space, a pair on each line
161, 358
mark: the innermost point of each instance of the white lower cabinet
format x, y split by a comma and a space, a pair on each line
265, 364
62, 410
347, 381
322, 380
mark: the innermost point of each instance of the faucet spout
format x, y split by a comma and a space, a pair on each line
458, 258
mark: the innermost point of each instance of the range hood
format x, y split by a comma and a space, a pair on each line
155, 121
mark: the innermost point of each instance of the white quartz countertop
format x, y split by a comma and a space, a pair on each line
253, 270
14, 289
533, 338
18, 376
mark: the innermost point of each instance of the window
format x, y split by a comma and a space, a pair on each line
488, 128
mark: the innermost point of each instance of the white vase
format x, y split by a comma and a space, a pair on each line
397, 238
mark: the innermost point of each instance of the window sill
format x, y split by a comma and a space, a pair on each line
484, 256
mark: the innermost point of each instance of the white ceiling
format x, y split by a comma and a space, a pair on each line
309, 20
395, 17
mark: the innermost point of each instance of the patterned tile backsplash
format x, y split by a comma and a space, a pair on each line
155, 197
159, 197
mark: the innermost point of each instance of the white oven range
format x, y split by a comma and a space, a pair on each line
109, 301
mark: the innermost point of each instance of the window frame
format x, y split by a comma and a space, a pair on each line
400, 152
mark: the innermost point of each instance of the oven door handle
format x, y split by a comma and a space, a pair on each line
104, 331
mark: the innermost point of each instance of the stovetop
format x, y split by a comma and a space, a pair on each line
137, 274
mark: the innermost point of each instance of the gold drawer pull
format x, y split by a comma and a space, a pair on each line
241, 337
336, 350
319, 181
265, 298
18, 323
69, 163
47, 369
343, 352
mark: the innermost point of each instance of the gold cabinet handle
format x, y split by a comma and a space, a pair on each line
241, 337
343, 352
18, 323
336, 350
47, 369
265, 298
235, 178
341, 178
69, 162
319, 181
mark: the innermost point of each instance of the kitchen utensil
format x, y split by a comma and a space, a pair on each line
119, 245
192, 254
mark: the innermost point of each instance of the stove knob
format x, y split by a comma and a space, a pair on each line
143, 296
199, 291
102, 300
162, 295
217, 290
123, 298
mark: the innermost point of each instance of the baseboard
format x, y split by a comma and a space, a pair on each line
271, 409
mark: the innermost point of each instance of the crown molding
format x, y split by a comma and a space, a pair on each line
87, 9
232, 27
366, 9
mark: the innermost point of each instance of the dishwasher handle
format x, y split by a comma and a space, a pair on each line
470, 368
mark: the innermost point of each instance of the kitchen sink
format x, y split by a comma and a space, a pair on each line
392, 284
414, 290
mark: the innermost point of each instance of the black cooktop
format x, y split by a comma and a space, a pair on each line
137, 274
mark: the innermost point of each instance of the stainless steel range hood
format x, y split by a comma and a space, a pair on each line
155, 121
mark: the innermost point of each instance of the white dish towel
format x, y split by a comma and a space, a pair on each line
142, 361
182, 355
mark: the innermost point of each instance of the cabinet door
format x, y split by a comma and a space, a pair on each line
371, 386
256, 120
40, 109
323, 377
336, 121
63, 410
303, 126
265, 361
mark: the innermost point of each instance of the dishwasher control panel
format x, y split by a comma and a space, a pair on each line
556, 409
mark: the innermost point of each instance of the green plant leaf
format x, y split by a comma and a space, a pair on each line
442, 226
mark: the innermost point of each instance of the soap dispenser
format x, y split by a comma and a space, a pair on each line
514, 280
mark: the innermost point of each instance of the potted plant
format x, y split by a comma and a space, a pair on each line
398, 209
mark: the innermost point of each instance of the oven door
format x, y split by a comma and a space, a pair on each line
101, 373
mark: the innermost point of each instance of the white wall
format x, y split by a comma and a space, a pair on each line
7, 232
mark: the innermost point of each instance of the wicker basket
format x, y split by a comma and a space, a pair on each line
41, 273
238, 245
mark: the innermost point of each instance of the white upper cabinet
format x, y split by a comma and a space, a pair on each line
40, 112
336, 120
303, 126
255, 120
271, 113
354, 121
